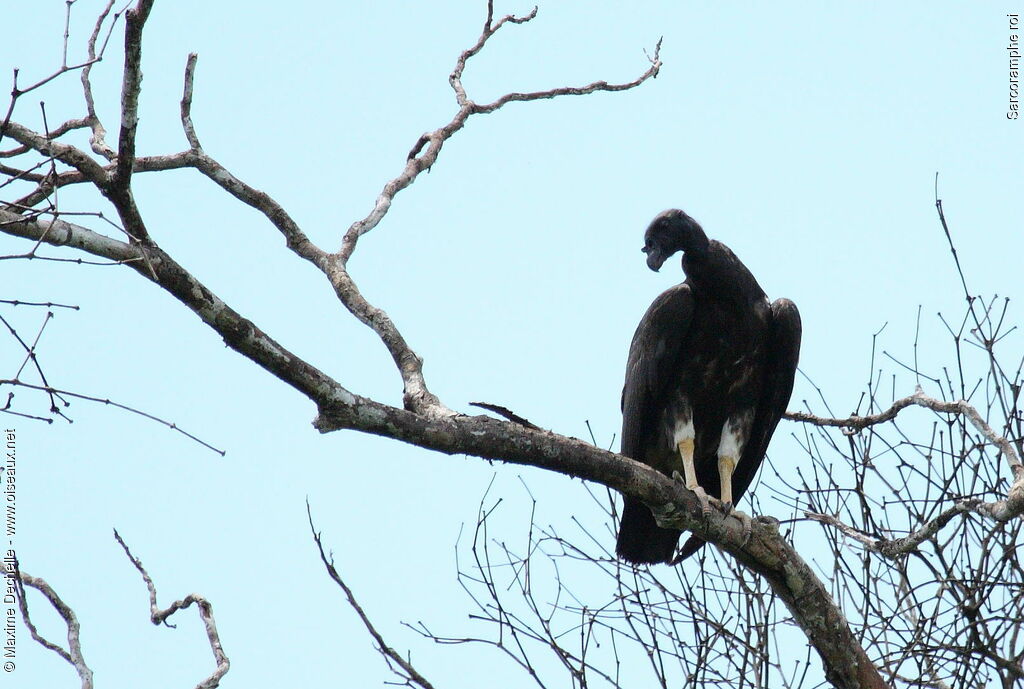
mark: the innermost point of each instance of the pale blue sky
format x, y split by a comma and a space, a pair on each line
806, 136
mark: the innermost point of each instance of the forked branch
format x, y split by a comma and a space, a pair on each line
73, 654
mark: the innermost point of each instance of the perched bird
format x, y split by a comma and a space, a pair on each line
709, 374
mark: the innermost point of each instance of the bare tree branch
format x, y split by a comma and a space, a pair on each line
942, 606
900, 546
92, 58
74, 653
135, 20
238, 332
46, 304
114, 184
160, 616
1002, 510
119, 188
416, 395
54, 392
489, 30
186, 103
30, 356
56, 133
505, 412
98, 139
66, 153
410, 676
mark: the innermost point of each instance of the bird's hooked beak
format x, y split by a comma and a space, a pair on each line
655, 258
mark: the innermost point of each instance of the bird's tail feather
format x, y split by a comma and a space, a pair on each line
641, 540
692, 545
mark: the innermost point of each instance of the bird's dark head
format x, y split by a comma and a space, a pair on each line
669, 232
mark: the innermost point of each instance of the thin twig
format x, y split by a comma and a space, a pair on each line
160, 616
98, 139
393, 658
89, 398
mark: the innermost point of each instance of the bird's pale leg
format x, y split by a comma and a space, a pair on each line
726, 467
690, 473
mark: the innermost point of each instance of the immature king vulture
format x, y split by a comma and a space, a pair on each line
709, 374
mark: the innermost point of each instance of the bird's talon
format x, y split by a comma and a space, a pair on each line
705, 501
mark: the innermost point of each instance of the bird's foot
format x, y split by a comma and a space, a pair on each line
704, 499
702, 496
748, 524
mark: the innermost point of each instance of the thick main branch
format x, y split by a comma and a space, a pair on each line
766, 552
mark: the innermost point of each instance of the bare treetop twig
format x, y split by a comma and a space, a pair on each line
420, 160
455, 79
423, 155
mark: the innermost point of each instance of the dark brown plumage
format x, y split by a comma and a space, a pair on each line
709, 374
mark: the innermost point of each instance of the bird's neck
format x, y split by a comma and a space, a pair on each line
718, 272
